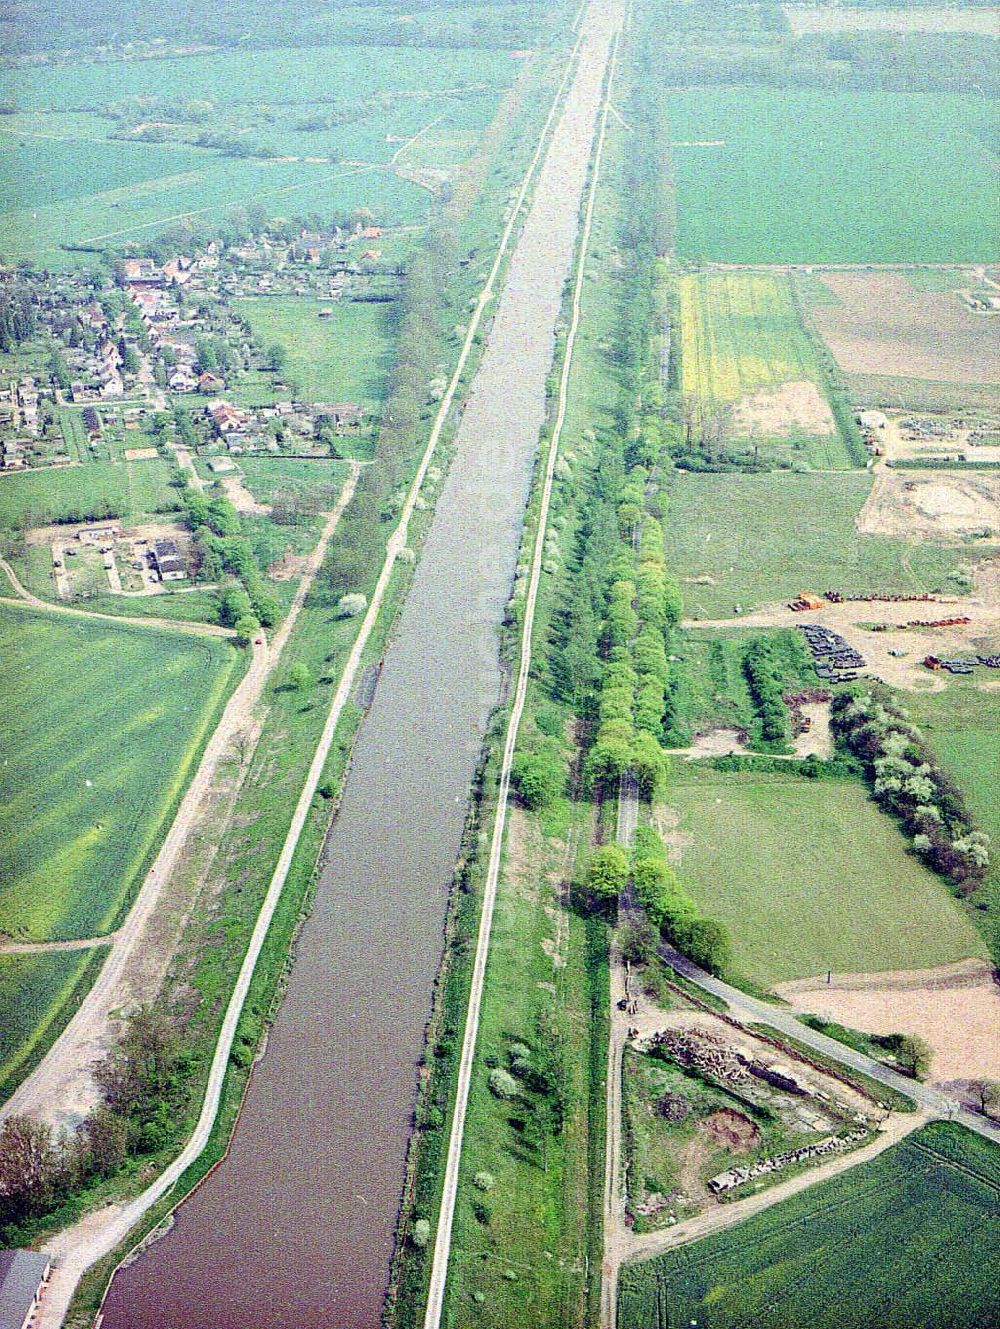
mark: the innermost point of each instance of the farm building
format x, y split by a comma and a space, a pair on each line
98, 535
23, 1276
167, 561
220, 465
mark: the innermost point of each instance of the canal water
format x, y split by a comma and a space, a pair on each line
296, 1227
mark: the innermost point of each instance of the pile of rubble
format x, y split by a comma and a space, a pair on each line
840, 597
738, 1176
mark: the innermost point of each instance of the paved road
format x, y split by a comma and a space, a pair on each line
936, 1102
628, 810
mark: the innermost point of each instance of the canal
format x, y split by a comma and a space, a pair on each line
296, 1227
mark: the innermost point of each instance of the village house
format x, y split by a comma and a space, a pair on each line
12, 457
167, 561
209, 383
226, 418
182, 379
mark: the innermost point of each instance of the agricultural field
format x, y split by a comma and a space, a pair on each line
981, 20
819, 855
34, 990
102, 726
753, 540
102, 152
897, 1242
884, 324
345, 357
744, 351
802, 176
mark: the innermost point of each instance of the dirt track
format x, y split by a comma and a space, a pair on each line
60, 1089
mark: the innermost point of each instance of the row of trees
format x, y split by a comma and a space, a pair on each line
669, 909
907, 781
18, 322
222, 549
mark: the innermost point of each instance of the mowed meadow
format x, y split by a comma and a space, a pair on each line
803, 176
102, 725
902, 1242
819, 856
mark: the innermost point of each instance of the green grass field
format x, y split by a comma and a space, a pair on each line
342, 358
131, 488
803, 176
65, 182
809, 876
34, 990
101, 728
902, 1242
741, 335
756, 539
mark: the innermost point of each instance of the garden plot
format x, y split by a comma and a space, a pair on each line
881, 324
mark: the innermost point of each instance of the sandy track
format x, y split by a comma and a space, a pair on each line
60, 1089
44, 947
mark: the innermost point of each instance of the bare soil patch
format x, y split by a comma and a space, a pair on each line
241, 497
140, 454
817, 740
956, 1010
288, 567
884, 326
730, 1130
797, 407
944, 507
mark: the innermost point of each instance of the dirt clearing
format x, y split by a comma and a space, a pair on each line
241, 498
731, 1130
943, 507
882, 325
957, 1010
793, 408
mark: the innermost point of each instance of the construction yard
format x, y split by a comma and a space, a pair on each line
102, 558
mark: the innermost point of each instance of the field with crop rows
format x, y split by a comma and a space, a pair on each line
752, 540
802, 176
101, 727
34, 990
901, 1242
742, 343
821, 857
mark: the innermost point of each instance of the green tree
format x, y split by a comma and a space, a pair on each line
608, 872
539, 777
298, 676
705, 941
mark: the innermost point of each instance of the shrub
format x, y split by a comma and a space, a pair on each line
608, 872
484, 1181
539, 777
502, 1084
352, 604
421, 1233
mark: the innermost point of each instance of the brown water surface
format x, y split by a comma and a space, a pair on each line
295, 1229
